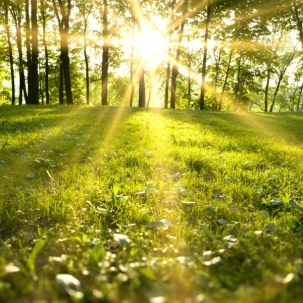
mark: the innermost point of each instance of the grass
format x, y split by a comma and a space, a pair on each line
141, 205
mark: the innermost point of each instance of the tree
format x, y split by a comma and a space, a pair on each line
63, 10
43, 7
105, 53
5, 7
203, 73
170, 31
16, 12
34, 98
175, 69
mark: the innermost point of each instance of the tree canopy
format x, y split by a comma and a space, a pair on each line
209, 55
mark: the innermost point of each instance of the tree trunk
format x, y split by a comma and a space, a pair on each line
28, 51
299, 98
105, 55
282, 73
217, 69
141, 84
237, 88
11, 59
175, 69
225, 81
298, 20
22, 86
266, 91
46, 55
86, 60
61, 82
168, 67
131, 69
64, 51
140, 68
34, 58
208, 18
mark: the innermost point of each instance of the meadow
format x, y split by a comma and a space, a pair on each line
150, 205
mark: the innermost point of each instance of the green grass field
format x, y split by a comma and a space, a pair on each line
144, 205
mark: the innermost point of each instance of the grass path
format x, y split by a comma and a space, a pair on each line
140, 205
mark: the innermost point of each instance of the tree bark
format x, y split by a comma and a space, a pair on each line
168, 66
298, 20
34, 56
47, 96
11, 58
237, 86
281, 75
64, 51
266, 92
28, 50
299, 98
207, 24
225, 81
22, 87
105, 54
175, 69
142, 95
86, 60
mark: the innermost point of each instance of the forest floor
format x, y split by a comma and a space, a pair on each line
144, 205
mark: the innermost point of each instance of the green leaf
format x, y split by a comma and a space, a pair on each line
270, 228
115, 189
293, 203
211, 208
222, 221
262, 215
33, 255
208, 232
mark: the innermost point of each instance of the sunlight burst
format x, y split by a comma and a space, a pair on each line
151, 45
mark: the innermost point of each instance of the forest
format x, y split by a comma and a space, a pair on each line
235, 55
119, 198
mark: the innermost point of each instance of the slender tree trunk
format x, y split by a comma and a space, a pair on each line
298, 20
266, 91
299, 98
225, 81
28, 50
217, 65
149, 97
86, 60
141, 84
167, 85
34, 57
175, 69
64, 51
276, 93
66, 70
168, 66
141, 72
237, 88
46, 55
282, 73
105, 54
207, 24
61, 82
22, 86
11, 58
131, 69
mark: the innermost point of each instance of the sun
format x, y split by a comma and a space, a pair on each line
152, 45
